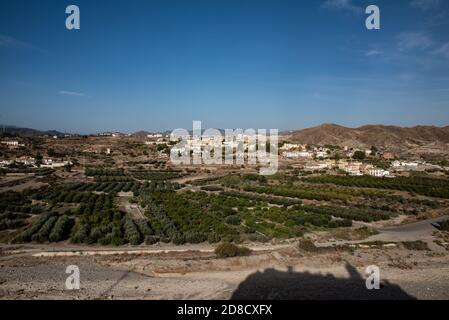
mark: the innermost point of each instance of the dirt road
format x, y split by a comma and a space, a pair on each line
277, 274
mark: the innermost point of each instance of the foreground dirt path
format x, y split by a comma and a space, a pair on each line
283, 271
273, 273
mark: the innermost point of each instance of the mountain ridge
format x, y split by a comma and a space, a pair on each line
371, 134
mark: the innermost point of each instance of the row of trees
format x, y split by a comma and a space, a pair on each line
91, 172
431, 187
263, 198
47, 227
112, 187
156, 175
12, 220
300, 193
113, 179
350, 213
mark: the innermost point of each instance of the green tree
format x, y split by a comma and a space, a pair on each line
359, 155
39, 159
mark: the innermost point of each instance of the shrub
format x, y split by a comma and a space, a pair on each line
212, 188
45, 230
106, 240
165, 239
195, 237
25, 236
307, 245
81, 235
233, 219
151, 240
213, 237
178, 239
117, 236
95, 234
444, 225
144, 227
132, 234
415, 245
60, 229
226, 250
258, 237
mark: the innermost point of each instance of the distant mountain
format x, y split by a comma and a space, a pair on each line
27, 132
369, 135
144, 134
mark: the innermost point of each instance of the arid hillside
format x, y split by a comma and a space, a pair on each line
372, 135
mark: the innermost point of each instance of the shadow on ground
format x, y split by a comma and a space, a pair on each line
279, 285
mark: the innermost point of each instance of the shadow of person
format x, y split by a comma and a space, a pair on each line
272, 284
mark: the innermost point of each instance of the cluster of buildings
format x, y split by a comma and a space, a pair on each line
354, 168
32, 162
414, 165
12, 144
294, 150
156, 142
113, 134
155, 135
318, 159
241, 143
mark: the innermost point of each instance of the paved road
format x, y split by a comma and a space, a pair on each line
417, 227
421, 230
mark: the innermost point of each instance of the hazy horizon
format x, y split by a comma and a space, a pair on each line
204, 127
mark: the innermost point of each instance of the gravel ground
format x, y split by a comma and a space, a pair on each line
278, 274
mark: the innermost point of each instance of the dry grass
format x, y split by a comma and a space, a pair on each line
416, 245
354, 234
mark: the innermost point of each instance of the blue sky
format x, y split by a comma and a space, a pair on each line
159, 65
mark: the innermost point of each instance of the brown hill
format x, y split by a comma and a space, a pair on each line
369, 135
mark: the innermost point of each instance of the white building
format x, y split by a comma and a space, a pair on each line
49, 163
28, 161
297, 154
5, 163
404, 165
321, 154
375, 172
353, 168
154, 135
317, 166
290, 146
11, 143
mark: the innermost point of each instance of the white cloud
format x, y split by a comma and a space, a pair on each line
425, 5
443, 50
10, 42
414, 40
345, 5
373, 52
72, 93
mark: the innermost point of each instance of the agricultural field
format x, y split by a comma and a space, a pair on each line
232, 207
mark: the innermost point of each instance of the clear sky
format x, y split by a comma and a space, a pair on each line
158, 65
